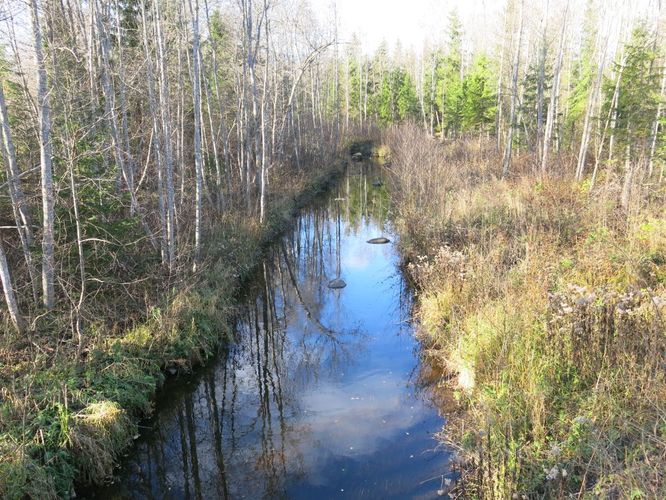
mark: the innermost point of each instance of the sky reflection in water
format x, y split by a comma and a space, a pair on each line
323, 395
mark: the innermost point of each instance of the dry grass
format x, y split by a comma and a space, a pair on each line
546, 302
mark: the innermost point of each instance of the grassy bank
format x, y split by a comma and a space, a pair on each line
545, 301
68, 409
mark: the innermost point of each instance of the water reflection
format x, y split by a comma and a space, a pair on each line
322, 395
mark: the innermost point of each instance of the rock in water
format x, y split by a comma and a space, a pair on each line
378, 183
337, 283
378, 241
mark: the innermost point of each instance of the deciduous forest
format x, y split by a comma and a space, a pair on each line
154, 150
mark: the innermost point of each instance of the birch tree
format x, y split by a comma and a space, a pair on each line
552, 106
508, 147
20, 207
165, 118
8, 290
45, 153
196, 98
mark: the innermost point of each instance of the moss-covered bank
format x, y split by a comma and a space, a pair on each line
66, 419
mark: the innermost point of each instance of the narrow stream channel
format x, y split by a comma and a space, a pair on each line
324, 395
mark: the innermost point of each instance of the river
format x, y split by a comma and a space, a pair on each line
324, 394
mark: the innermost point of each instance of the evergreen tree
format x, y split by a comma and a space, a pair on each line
449, 88
529, 102
479, 100
639, 92
407, 103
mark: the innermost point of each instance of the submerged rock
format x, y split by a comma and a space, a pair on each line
337, 283
379, 241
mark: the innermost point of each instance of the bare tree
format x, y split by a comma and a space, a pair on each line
609, 121
8, 288
655, 125
592, 101
508, 147
19, 204
552, 106
198, 160
45, 153
165, 117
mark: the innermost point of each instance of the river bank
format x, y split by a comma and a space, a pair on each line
543, 300
66, 418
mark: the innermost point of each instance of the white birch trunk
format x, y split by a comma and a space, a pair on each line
45, 154
8, 289
508, 147
550, 114
19, 205
198, 161
165, 118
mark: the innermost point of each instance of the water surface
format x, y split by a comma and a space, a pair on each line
324, 394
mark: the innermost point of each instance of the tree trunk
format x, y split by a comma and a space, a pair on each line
550, 114
628, 179
196, 101
45, 153
19, 205
264, 166
594, 95
655, 125
223, 127
541, 84
129, 174
498, 114
8, 288
156, 137
120, 153
508, 147
165, 117
609, 120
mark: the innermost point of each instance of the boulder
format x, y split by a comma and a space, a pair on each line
337, 283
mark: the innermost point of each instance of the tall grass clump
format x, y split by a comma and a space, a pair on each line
545, 301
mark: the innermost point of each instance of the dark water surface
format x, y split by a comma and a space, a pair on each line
324, 395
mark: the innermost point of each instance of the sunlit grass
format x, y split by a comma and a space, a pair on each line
546, 302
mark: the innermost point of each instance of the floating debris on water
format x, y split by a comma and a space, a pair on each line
379, 241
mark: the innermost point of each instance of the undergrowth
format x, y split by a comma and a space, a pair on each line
545, 302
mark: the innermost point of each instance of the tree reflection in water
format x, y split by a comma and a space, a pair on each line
319, 393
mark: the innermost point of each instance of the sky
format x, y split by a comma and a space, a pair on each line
413, 22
